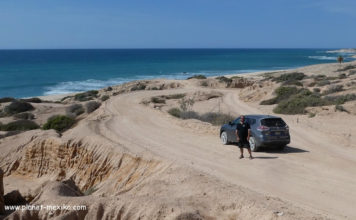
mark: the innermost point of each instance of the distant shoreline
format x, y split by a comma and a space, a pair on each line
57, 97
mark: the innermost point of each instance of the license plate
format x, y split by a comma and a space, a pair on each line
277, 133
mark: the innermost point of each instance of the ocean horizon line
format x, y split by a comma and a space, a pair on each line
187, 48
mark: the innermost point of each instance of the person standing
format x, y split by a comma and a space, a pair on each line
243, 132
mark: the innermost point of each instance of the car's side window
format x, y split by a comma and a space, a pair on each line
236, 121
251, 121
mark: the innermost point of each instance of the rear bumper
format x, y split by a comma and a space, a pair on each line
272, 143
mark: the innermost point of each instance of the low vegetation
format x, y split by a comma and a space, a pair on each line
282, 93
24, 115
291, 100
86, 96
17, 107
323, 82
224, 79
7, 99
333, 89
104, 98
92, 106
204, 84
295, 76
138, 86
75, 110
340, 108
176, 112
59, 123
158, 100
213, 118
33, 100
197, 77
20, 125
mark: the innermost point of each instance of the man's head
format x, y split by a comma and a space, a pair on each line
242, 118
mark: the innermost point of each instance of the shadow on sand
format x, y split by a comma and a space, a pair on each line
264, 157
286, 150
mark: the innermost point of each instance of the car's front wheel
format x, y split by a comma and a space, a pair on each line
223, 137
253, 144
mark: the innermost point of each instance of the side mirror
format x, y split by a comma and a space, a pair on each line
230, 123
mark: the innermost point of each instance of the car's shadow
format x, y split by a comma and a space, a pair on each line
286, 150
265, 157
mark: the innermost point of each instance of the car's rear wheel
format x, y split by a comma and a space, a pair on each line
253, 144
223, 137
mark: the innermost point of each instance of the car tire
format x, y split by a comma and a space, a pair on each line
253, 144
223, 138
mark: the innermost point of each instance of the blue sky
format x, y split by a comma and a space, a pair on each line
177, 24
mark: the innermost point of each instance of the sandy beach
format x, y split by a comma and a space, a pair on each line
131, 159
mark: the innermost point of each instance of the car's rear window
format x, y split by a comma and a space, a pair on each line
273, 122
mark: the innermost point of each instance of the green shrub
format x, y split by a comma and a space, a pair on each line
174, 96
323, 82
75, 110
33, 100
296, 76
332, 77
342, 76
138, 86
18, 107
59, 123
86, 96
108, 89
204, 83
20, 125
282, 93
216, 118
271, 101
158, 100
319, 77
340, 108
92, 106
197, 77
175, 112
311, 115
340, 99
316, 90
298, 103
293, 82
104, 98
24, 115
64, 98
224, 79
333, 89
7, 99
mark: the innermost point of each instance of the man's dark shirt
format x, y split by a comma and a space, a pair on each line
243, 130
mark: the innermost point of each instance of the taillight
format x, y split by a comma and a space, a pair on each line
263, 128
287, 128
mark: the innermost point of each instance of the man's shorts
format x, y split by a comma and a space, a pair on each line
243, 144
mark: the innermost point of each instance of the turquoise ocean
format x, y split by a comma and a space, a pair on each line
27, 73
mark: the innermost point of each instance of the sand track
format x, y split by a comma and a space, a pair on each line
312, 172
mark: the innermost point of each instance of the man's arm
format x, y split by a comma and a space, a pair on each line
237, 135
248, 134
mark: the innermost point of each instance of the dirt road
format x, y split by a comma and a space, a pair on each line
312, 172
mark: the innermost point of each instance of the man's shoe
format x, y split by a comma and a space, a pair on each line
242, 156
251, 157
